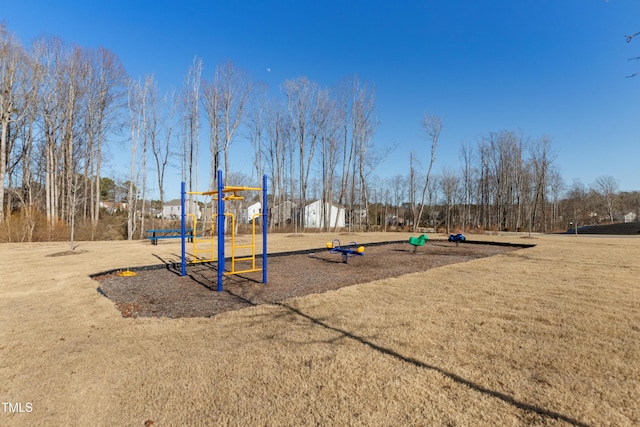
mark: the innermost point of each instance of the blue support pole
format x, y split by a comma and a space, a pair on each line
220, 232
265, 215
182, 229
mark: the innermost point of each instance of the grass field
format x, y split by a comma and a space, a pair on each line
548, 335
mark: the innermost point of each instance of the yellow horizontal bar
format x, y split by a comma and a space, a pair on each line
229, 189
242, 271
206, 239
197, 261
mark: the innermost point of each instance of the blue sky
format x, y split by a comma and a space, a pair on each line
541, 67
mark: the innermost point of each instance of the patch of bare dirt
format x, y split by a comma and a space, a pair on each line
164, 293
65, 253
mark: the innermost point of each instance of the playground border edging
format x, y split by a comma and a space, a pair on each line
176, 266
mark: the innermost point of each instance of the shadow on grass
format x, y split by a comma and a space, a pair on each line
457, 378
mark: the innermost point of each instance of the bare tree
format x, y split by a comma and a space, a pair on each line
149, 133
225, 99
468, 190
607, 188
257, 125
343, 112
484, 186
556, 187
190, 123
364, 126
161, 149
72, 212
449, 182
329, 152
47, 54
212, 102
398, 188
12, 93
413, 203
355, 124
276, 150
190, 127
59, 94
505, 169
105, 92
64, 114
432, 125
235, 92
576, 197
137, 95
72, 89
30, 191
629, 39
541, 158
302, 104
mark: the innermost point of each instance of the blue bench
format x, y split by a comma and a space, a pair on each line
155, 235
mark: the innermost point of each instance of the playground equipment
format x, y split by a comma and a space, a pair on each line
418, 241
457, 238
223, 194
198, 237
351, 249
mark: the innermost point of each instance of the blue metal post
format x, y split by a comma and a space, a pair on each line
182, 229
265, 215
220, 232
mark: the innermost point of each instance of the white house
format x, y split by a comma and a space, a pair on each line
314, 215
253, 210
630, 217
113, 207
173, 209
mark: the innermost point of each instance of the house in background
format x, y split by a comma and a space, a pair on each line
630, 217
173, 209
252, 210
314, 215
113, 207
283, 213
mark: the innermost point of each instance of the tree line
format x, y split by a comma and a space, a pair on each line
62, 107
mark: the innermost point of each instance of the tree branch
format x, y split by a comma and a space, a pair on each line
629, 38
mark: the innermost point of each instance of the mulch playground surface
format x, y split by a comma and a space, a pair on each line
162, 292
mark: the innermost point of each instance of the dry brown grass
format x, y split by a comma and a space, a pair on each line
542, 336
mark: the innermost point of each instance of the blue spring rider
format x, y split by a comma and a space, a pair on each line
346, 251
457, 238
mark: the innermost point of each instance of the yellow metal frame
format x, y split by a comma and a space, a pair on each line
252, 246
212, 251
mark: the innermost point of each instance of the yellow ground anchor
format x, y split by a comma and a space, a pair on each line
127, 273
